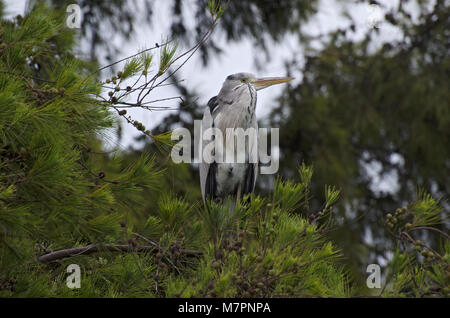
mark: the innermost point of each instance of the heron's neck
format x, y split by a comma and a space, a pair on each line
238, 111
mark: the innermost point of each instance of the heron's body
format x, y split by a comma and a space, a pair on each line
233, 113
234, 107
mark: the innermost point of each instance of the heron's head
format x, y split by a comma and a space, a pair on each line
235, 81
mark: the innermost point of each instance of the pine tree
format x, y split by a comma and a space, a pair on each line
53, 193
64, 201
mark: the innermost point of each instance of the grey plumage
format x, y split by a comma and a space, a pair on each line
233, 107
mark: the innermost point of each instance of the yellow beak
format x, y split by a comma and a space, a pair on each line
264, 82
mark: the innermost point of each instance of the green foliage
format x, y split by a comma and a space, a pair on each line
416, 269
363, 111
215, 8
427, 211
256, 249
366, 108
134, 66
167, 56
60, 190
289, 194
53, 192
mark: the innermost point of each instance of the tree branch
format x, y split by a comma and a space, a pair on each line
90, 249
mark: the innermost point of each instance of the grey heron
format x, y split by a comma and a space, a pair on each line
234, 107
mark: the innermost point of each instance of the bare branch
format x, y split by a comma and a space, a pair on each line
90, 249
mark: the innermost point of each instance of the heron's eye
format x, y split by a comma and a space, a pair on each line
243, 80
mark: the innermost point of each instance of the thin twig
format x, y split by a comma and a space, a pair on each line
131, 56
431, 229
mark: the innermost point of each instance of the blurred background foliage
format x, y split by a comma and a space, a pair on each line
359, 108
